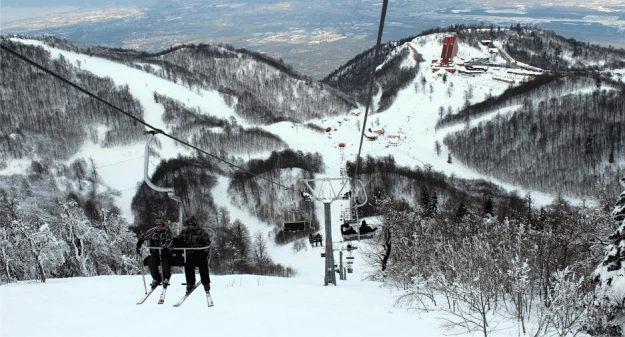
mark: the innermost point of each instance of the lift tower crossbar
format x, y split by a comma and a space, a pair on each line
330, 275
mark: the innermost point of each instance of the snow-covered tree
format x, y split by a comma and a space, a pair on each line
468, 279
567, 303
29, 249
609, 314
259, 252
35, 244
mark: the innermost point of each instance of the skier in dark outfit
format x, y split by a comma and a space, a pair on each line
195, 237
159, 236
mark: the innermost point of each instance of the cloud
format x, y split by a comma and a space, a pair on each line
91, 15
598, 5
300, 36
232, 5
606, 20
519, 11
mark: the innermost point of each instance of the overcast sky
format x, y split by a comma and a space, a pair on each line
77, 3
499, 3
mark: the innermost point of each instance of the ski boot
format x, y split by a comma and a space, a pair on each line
155, 284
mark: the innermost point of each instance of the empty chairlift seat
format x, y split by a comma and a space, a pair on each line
294, 226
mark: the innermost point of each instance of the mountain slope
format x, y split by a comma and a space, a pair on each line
502, 77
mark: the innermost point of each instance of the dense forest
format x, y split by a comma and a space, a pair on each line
215, 135
563, 136
238, 74
384, 178
33, 103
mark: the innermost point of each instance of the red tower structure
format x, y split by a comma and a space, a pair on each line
450, 49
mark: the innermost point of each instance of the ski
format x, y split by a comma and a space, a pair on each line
161, 300
187, 294
209, 299
146, 296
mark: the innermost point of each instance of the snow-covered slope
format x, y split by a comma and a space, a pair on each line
245, 305
408, 125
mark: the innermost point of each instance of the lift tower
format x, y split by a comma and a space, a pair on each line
327, 198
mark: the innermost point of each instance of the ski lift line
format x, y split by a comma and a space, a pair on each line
53, 74
370, 98
407, 154
123, 161
88, 93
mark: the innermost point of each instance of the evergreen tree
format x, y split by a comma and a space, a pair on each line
609, 313
425, 197
488, 207
433, 206
462, 211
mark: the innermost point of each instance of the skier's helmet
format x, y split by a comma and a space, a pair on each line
191, 221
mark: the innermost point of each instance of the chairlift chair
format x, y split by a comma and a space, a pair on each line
294, 225
349, 256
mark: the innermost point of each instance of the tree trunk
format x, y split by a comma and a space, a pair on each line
387, 250
39, 265
6, 264
35, 254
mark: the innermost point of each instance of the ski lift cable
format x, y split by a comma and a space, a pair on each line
123, 161
138, 120
369, 97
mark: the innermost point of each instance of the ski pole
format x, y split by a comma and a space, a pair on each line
142, 272
160, 258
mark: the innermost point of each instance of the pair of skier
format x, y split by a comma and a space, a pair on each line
191, 237
315, 239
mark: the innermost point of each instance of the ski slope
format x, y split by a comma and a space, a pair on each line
245, 305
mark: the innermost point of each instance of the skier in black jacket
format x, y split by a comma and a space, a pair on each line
195, 237
158, 236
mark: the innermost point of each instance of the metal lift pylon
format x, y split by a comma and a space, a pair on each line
330, 275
